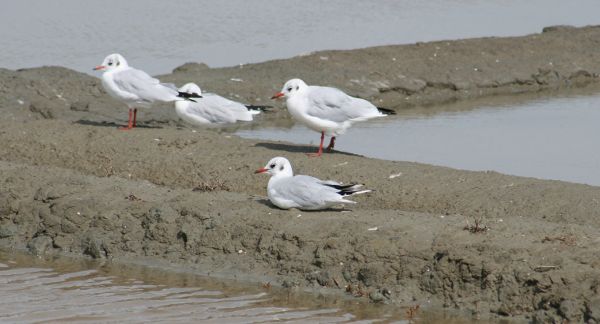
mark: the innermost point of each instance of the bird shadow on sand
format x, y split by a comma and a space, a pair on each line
268, 203
291, 148
110, 124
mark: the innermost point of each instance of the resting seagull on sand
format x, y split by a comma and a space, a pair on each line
135, 87
212, 109
326, 110
304, 192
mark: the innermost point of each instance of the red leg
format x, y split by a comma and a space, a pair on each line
320, 146
129, 122
134, 115
331, 144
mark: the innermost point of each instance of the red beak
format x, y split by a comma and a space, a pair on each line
277, 95
261, 170
99, 67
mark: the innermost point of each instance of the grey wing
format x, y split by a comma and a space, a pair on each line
307, 191
200, 109
219, 109
143, 85
335, 105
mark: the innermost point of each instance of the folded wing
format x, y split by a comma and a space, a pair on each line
334, 105
145, 87
218, 110
308, 191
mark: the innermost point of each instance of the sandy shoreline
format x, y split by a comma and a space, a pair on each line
72, 183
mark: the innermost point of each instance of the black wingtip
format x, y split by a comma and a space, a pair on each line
340, 186
188, 96
259, 108
349, 189
386, 111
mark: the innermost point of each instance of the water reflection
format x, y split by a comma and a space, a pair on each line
542, 138
36, 290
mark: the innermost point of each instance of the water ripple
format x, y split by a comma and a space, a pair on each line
32, 295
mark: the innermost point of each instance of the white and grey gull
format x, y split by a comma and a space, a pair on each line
135, 87
285, 190
327, 110
212, 109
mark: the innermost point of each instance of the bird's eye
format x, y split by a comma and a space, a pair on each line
272, 166
109, 63
289, 89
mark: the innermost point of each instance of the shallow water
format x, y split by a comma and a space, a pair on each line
159, 35
543, 138
75, 290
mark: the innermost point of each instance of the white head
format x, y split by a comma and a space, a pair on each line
112, 62
277, 166
191, 88
290, 88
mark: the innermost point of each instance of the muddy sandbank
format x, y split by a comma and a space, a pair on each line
72, 183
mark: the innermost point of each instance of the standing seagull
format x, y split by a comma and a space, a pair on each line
304, 192
326, 110
135, 87
212, 109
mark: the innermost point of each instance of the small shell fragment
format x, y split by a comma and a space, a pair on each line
395, 175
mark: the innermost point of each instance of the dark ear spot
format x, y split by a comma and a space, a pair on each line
297, 87
118, 63
281, 168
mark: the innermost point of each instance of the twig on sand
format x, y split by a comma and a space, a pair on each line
356, 291
569, 240
214, 185
336, 282
412, 311
132, 197
477, 226
544, 268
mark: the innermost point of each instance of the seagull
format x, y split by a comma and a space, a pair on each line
212, 109
327, 110
135, 87
304, 192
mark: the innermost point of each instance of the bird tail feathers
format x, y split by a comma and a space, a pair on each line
349, 189
386, 111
